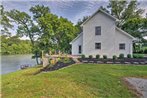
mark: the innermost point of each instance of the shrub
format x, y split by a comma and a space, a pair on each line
129, 56
121, 56
114, 57
90, 56
83, 56
135, 56
104, 56
66, 60
145, 51
97, 56
138, 56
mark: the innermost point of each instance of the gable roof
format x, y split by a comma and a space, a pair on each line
76, 38
99, 10
125, 33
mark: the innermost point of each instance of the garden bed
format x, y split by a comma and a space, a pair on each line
60, 64
141, 61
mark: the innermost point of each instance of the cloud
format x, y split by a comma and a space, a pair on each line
89, 9
143, 5
73, 10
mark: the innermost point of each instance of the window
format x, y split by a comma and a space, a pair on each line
98, 30
122, 46
97, 45
80, 49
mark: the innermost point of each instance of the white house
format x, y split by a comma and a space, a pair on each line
101, 36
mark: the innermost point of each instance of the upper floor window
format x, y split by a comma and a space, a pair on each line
97, 45
98, 30
122, 46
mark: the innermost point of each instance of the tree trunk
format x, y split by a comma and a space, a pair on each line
36, 56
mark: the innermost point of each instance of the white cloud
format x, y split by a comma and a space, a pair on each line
89, 9
145, 37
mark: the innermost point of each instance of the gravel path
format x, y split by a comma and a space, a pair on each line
139, 84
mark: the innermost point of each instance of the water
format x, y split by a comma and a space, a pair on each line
11, 63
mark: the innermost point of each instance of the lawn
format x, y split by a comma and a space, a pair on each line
76, 81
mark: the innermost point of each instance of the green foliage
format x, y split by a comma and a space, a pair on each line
136, 27
145, 51
114, 57
39, 11
104, 56
58, 32
121, 56
45, 30
66, 60
80, 21
13, 45
90, 56
82, 56
124, 10
97, 56
25, 24
129, 56
5, 22
138, 55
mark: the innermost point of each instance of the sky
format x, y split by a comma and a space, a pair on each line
73, 10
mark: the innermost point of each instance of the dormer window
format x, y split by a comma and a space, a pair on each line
98, 30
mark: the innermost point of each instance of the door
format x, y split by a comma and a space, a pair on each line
80, 49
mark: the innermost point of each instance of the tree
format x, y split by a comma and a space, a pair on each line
57, 32
39, 11
13, 45
26, 27
80, 21
64, 34
5, 22
124, 10
136, 27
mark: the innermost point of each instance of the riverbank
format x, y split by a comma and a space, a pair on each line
79, 80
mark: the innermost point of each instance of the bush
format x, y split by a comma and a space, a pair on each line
83, 56
104, 56
66, 60
90, 56
138, 56
121, 56
129, 56
114, 57
135, 56
97, 56
145, 51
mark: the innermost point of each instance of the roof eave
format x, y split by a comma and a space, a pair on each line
76, 38
97, 12
126, 33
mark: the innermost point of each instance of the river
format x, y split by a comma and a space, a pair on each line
11, 63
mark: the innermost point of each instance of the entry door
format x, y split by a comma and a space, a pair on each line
80, 49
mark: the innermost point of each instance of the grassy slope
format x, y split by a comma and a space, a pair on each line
77, 81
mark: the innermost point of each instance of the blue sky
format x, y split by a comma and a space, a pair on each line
72, 10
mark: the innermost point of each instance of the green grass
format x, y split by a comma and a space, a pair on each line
76, 81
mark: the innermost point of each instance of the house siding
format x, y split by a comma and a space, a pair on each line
107, 37
110, 38
75, 45
121, 38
